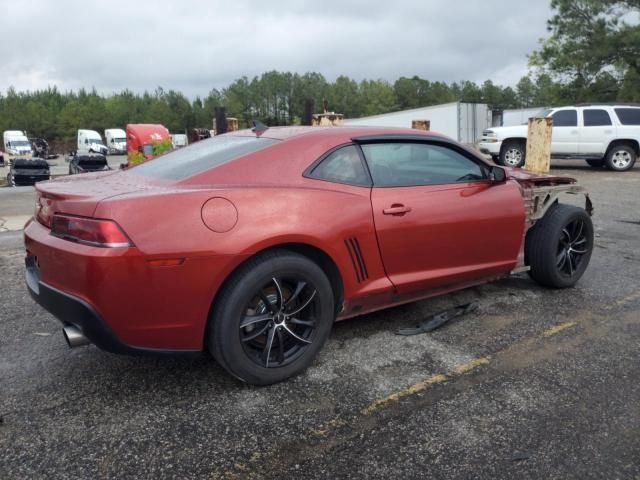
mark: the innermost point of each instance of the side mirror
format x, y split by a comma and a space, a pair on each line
497, 175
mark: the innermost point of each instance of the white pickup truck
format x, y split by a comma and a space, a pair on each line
603, 135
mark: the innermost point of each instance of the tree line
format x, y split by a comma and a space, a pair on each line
591, 55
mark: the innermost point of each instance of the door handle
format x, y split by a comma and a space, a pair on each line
397, 209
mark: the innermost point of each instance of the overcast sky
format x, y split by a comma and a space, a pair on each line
193, 46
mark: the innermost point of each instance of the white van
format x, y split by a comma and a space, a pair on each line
16, 144
179, 140
116, 139
90, 141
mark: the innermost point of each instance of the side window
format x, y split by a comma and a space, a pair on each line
628, 116
565, 118
596, 118
343, 166
413, 164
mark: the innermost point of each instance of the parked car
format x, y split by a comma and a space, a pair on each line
90, 141
90, 162
27, 171
251, 244
603, 135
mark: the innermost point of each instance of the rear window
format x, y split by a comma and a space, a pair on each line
201, 156
628, 116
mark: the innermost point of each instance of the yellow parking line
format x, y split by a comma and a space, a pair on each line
424, 384
558, 328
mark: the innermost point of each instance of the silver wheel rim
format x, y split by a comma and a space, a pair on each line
513, 157
621, 159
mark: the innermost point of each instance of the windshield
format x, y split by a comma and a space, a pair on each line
201, 156
19, 143
96, 140
120, 140
545, 112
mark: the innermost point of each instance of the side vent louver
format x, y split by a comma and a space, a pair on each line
359, 266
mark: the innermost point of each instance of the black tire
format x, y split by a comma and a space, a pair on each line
559, 246
620, 158
595, 163
513, 153
272, 277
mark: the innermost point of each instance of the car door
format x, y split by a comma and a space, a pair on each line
566, 135
439, 219
596, 133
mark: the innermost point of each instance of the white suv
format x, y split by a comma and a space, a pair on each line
603, 135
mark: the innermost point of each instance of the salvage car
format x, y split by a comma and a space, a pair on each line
251, 244
89, 162
27, 171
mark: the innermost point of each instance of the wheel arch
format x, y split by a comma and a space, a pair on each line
317, 255
508, 140
633, 143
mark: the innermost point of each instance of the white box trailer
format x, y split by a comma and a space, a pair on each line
520, 116
461, 121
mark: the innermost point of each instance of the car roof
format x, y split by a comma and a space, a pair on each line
338, 133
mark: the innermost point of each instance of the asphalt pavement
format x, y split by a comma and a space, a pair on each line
537, 383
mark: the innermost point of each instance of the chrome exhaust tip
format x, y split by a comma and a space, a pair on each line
74, 337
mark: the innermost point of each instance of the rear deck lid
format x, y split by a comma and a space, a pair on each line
80, 194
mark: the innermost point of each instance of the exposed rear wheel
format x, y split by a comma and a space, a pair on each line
558, 247
620, 158
271, 318
513, 154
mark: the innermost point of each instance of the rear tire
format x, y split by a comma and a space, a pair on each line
513, 153
559, 246
620, 158
595, 163
271, 318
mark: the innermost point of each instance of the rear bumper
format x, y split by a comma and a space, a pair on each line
71, 310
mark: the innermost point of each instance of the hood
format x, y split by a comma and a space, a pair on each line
96, 145
508, 132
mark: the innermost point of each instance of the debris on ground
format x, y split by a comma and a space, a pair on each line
439, 319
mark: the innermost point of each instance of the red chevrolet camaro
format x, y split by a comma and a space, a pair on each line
252, 244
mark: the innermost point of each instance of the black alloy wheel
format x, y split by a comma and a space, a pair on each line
279, 322
572, 247
271, 317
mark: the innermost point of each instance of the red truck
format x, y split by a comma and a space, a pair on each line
146, 141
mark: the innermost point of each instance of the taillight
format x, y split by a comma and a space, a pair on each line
43, 211
89, 231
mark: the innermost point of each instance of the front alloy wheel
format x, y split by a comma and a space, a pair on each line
513, 154
559, 246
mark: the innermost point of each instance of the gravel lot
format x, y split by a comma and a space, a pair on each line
537, 384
